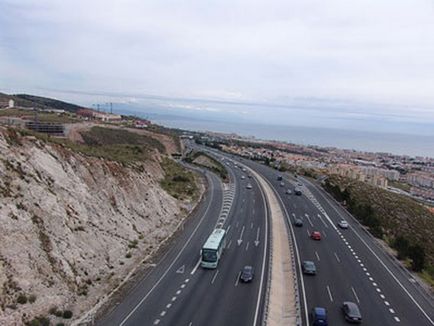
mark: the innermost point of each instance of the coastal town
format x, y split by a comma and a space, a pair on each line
403, 174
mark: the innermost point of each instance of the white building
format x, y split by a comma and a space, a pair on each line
11, 104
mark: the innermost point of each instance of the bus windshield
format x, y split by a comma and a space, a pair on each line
209, 255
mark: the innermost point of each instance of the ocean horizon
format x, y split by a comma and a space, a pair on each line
395, 143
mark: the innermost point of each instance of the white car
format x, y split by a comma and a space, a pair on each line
249, 186
243, 177
343, 224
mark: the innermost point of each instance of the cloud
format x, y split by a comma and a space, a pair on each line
363, 51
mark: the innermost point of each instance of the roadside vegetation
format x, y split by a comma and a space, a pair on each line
403, 223
204, 160
178, 181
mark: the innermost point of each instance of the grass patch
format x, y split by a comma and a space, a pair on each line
428, 275
178, 182
400, 185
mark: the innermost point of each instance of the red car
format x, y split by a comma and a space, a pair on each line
315, 235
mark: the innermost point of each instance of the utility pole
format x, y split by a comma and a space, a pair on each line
111, 108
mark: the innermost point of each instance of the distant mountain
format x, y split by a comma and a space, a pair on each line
43, 102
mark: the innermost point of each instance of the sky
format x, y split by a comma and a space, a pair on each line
360, 63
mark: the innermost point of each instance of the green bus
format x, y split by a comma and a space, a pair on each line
212, 250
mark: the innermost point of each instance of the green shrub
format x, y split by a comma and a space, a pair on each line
128, 255
32, 298
22, 298
67, 314
39, 321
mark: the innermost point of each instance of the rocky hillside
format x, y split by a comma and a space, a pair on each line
73, 225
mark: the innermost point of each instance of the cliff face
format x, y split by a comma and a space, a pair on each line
72, 227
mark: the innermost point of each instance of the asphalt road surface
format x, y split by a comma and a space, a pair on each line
177, 291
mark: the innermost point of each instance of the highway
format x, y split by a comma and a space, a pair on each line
177, 291
350, 264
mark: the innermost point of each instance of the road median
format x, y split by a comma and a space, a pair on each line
281, 301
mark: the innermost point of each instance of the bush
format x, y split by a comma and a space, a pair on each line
32, 298
417, 255
67, 314
128, 255
401, 245
53, 310
39, 321
22, 298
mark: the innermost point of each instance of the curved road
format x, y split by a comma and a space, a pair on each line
177, 291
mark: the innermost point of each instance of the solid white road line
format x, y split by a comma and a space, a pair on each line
379, 259
264, 255
297, 252
317, 256
173, 262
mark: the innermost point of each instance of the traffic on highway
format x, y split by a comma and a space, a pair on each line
217, 270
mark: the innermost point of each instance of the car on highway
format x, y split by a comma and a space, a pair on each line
351, 312
299, 184
319, 316
298, 222
247, 274
279, 178
249, 176
282, 184
297, 191
343, 224
315, 235
243, 177
249, 186
308, 267
288, 191
244, 170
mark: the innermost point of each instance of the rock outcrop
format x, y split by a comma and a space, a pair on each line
72, 226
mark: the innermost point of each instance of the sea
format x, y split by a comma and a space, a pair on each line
395, 143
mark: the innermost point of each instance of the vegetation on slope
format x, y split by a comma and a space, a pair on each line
43, 102
403, 223
178, 182
112, 144
207, 161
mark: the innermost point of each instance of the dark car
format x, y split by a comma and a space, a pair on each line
298, 222
351, 312
319, 316
297, 191
279, 178
247, 274
308, 267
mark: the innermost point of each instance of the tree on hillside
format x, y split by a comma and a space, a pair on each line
417, 255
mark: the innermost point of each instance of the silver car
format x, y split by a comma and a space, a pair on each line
343, 224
